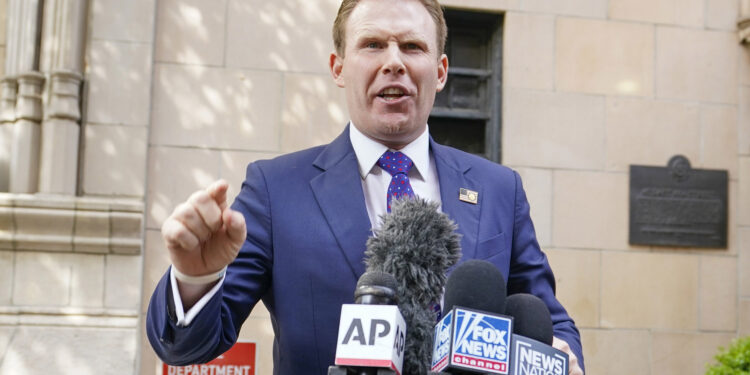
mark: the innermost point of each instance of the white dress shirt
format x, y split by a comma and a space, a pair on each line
422, 177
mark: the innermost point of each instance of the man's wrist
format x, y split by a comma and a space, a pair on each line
198, 280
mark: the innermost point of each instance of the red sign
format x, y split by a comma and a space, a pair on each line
239, 360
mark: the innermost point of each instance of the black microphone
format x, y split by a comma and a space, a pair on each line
473, 337
372, 332
532, 351
416, 244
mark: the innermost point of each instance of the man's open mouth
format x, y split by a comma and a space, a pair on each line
392, 93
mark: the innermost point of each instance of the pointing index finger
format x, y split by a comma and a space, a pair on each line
218, 191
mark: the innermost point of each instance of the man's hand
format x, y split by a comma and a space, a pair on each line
203, 234
561, 345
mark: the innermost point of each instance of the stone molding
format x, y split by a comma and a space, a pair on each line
8, 94
64, 96
70, 224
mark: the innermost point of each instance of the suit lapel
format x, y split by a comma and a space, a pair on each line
338, 191
452, 173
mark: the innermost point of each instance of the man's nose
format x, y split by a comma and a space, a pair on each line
393, 64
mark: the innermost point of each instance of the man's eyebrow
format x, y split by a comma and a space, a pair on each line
373, 33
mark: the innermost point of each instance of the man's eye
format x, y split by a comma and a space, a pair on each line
412, 46
372, 45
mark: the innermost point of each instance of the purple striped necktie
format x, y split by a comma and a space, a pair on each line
398, 165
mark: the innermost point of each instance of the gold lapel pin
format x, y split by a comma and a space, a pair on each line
468, 196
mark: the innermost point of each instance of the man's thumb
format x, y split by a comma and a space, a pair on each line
235, 222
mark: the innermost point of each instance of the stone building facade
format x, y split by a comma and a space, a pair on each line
112, 112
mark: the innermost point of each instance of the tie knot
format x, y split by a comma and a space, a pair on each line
395, 163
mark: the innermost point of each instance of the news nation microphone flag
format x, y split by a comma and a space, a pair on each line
530, 357
371, 336
472, 341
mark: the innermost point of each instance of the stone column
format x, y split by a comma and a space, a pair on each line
63, 41
20, 104
24, 164
8, 91
58, 170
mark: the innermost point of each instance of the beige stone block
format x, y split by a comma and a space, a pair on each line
150, 363
744, 192
314, 111
86, 280
553, 130
649, 132
115, 160
191, 31
538, 186
260, 331
41, 279
287, 35
744, 124
719, 138
155, 264
696, 65
744, 259
583, 8
119, 83
604, 57
234, 168
649, 290
674, 12
744, 321
6, 278
123, 276
217, 108
744, 61
590, 210
685, 353
722, 14
528, 51
616, 352
70, 350
175, 173
6, 335
487, 5
718, 293
131, 21
578, 281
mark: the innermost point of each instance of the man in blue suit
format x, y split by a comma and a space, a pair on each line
295, 235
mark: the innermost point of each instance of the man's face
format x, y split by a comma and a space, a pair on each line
390, 69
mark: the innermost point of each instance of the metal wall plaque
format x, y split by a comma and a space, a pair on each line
678, 205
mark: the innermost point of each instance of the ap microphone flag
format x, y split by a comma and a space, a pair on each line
371, 336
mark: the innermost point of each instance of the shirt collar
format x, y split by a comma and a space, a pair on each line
368, 151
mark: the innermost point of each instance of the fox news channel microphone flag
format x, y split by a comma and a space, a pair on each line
371, 336
472, 341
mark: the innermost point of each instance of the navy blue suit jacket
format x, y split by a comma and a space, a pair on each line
307, 228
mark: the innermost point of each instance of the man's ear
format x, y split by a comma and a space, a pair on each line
442, 72
336, 64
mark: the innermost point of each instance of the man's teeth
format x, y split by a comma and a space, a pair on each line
392, 92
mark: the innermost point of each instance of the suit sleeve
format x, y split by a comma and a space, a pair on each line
530, 272
216, 327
